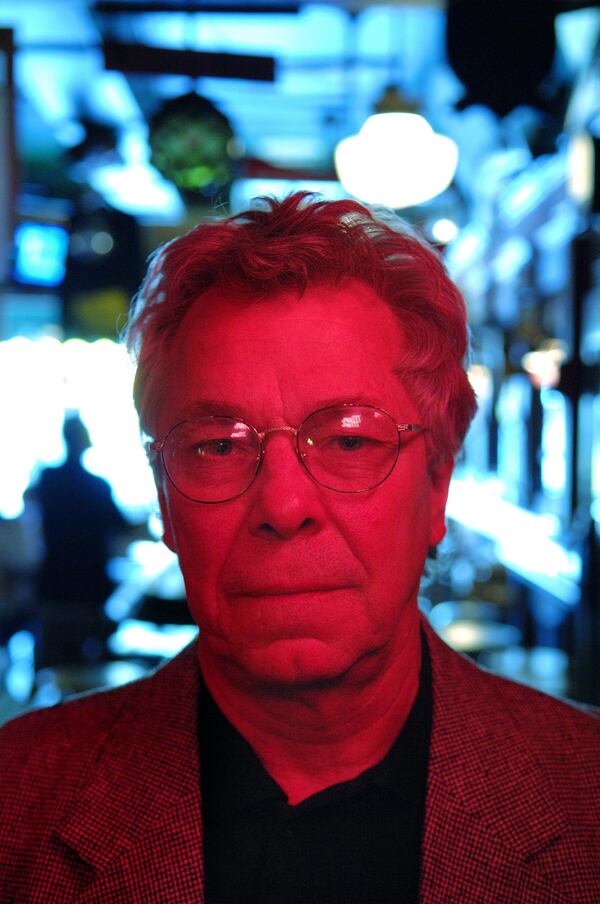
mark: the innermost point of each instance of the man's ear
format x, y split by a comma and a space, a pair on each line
440, 483
167, 537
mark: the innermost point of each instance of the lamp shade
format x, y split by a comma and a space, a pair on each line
192, 146
397, 160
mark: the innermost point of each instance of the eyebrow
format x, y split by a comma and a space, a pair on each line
221, 407
211, 406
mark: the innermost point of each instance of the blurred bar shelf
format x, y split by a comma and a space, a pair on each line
524, 542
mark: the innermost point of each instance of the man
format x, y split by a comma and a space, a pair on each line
300, 378
79, 522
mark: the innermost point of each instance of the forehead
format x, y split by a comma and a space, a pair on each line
284, 355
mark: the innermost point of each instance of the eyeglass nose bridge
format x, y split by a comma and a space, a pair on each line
262, 434
295, 431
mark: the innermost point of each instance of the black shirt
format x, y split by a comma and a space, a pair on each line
357, 842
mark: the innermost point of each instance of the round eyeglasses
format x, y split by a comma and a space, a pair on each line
347, 448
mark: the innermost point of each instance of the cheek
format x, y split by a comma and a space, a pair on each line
391, 537
203, 540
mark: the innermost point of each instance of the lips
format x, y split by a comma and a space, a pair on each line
291, 572
287, 591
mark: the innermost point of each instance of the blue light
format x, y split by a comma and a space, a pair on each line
41, 254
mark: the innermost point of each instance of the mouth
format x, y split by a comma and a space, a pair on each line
289, 591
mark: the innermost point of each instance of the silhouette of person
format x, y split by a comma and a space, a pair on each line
79, 520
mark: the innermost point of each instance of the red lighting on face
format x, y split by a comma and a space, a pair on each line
293, 582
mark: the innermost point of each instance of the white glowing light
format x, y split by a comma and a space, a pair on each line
524, 541
31, 412
482, 381
133, 144
553, 458
135, 636
43, 379
111, 96
397, 160
581, 167
444, 230
139, 190
543, 365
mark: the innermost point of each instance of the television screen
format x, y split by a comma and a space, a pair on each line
40, 254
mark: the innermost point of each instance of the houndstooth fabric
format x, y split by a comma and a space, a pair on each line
100, 799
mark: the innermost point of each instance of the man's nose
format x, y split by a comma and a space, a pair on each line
286, 499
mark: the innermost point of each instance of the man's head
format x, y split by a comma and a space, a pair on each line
270, 317
76, 437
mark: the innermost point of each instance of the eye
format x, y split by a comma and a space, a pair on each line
350, 443
217, 447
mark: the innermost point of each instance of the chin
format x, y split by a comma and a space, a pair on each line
301, 663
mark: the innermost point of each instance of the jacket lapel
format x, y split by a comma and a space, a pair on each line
492, 827
137, 821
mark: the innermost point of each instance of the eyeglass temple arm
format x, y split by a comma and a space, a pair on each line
155, 447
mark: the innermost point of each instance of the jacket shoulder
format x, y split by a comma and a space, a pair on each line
49, 749
550, 714
523, 765
83, 766
563, 736
76, 721
470, 681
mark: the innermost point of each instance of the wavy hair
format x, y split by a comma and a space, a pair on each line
290, 244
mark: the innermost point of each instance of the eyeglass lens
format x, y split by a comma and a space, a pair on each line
349, 449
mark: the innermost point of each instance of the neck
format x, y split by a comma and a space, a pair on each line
309, 738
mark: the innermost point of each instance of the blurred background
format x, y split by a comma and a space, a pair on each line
125, 123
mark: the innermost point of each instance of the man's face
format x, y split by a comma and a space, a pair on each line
272, 363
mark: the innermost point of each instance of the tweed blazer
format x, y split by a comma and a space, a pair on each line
100, 796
